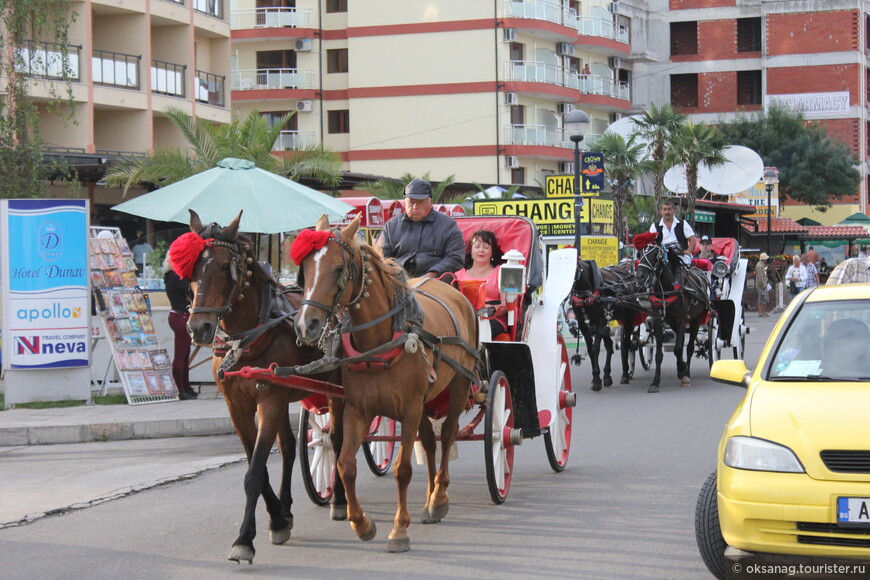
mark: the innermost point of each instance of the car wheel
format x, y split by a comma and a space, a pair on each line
711, 544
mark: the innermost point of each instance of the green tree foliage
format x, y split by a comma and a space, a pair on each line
813, 167
694, 145
250, 138
389, 188
658, 125
22, 170
624, 162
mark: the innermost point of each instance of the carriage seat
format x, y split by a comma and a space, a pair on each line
702, 264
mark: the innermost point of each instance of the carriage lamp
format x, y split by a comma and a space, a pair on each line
512, 280
720, 268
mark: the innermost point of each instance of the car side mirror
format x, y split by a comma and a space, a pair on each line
731, 372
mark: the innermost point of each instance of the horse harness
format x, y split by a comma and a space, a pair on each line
409, 339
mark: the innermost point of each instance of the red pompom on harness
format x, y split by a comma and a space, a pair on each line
306, 242
641, 241
185, 251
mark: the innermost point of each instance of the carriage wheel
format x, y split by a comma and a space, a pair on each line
557, 440
379, 454
316, 456
647, 350
498, 450
740, 347
714, 353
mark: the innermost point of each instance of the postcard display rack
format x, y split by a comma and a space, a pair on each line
125, 313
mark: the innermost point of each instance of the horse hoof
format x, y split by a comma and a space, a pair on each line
239, 553
279, 537
685, 382
435, 513
399, 545
372, 531
625, 380
596, 387
608, 382
338, 512
653, 389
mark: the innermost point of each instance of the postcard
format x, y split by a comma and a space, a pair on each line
95, 246
136, 383
113, 278
153, 382
128, 279
160, 358
97, 279
124, 247
168, 382
123, 360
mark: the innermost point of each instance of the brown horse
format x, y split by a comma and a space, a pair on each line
238, 299
436, 325
679, 295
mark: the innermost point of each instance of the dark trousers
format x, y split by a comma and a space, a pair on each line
181, 359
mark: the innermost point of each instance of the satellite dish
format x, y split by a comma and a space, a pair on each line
675, 179
742, 171
626, 127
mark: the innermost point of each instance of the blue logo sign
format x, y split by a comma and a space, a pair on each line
50, 247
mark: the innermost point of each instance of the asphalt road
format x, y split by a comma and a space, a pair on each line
624, 507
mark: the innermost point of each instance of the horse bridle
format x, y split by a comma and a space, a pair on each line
239, 273
643, 263
347, 272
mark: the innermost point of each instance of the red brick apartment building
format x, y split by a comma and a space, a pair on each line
722, 58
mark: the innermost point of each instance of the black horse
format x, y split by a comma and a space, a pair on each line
679, 295
595, 300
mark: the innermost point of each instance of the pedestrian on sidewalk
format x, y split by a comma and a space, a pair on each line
179, 295
812, 271
762, 284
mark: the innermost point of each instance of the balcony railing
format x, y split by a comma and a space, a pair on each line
167, 78
270, 18
295, 140
602, 27
211, 7
176, 1
115, 69
598, 85
45, 60
541, 10
209, 88
273, 78
535, 135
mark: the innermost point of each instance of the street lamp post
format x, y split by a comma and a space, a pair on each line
576, 124
770, 179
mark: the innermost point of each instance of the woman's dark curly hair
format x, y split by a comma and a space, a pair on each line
486, 237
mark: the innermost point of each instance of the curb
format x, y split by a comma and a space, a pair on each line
118, 431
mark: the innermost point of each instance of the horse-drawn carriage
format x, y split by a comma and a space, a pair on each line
389, 350
657, 300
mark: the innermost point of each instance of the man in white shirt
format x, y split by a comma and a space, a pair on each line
672, 230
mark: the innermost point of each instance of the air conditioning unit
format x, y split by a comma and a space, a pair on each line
614, 62
566, 167
511, 161
303, 106
565, 108
511, 99
510, 34
565, 48
302, 45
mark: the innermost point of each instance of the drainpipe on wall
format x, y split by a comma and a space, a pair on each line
863, 190
320, 68
495, 32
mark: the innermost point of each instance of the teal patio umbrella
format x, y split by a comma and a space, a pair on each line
272, 204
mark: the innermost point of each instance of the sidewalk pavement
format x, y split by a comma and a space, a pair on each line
206, 415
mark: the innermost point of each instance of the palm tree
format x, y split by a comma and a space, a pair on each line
623, 163
658, 126
389, 188
692, 146
250, 138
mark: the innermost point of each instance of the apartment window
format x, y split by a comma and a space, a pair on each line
333, 6
518, 115
684, 90
684, 38
273, 118
518, 176
339, 121
336, 60
749, 35
749, 87
276, 59
517, 51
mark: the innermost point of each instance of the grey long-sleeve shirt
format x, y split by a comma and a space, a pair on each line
435, 242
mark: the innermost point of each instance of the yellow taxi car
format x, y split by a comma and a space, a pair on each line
793, 470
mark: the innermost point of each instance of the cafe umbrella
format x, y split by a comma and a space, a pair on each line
272, 204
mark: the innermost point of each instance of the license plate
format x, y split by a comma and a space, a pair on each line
854, 511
